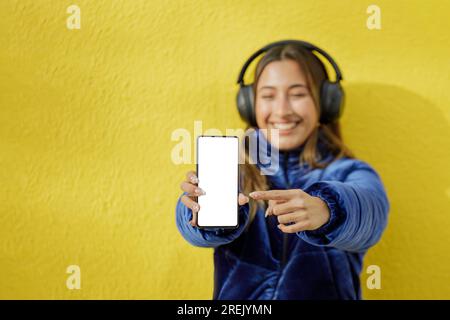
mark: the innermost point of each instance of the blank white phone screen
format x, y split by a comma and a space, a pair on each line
217, 171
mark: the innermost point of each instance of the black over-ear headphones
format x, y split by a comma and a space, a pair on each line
331, 93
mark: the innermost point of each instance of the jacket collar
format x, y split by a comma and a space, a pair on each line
282, 159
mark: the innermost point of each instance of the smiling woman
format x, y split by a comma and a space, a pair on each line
303, 230
287, 91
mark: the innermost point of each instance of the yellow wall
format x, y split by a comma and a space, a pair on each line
86, 118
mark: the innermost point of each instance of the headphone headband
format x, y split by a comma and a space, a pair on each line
305, 44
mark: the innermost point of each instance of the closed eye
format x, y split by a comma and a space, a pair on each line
298, 96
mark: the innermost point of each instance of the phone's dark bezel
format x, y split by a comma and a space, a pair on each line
237, 195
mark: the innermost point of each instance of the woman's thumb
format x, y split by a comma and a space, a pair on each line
242, 199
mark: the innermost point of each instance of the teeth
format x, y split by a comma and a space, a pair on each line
285, 125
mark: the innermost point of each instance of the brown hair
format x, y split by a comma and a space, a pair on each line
315, 74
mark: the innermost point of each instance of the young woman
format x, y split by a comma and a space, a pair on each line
303, 231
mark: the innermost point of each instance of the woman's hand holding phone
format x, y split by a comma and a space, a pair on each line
190, 186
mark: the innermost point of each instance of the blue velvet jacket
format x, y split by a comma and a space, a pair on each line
262, 262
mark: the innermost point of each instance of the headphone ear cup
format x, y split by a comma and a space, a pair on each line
245, 104
331, 101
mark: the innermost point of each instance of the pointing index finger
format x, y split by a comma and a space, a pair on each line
275, 194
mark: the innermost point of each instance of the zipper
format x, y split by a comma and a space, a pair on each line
285, 235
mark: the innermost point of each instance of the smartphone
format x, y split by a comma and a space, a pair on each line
218, 176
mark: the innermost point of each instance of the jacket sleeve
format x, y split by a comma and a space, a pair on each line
212, 237
358, 210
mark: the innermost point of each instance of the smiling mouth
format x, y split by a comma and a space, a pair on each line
285, 125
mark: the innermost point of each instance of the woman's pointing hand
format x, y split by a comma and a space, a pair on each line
295, 209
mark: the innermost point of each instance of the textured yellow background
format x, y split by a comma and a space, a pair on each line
86, 118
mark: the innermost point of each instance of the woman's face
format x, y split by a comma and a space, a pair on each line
284, 102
